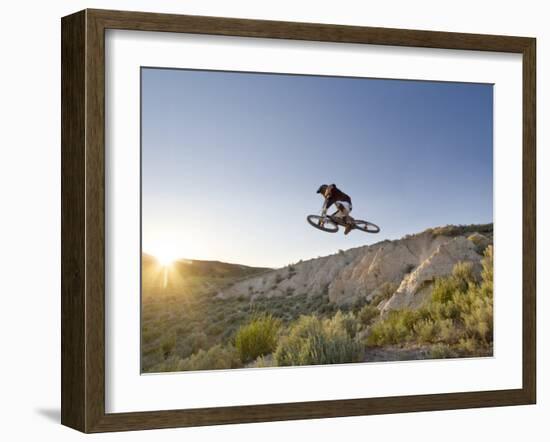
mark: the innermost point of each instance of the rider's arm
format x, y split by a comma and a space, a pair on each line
324, 211
328, 202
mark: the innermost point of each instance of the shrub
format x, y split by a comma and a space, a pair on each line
312, 341
262, 362
167, 344
214, 329
344, 321
459, 314
368, 314
192, 343
291, 271
151, 335
170, 364
215, 358
468, 346
358, 304
426, 330
452, 231
317, 302
479, 241
396, 328
448, 331
257, 338
441, 351
327, 309
459, 281
477, 317
150, 357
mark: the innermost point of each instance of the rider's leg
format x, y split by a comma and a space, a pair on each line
341, 212
344, 215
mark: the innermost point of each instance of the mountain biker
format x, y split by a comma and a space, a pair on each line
342, 201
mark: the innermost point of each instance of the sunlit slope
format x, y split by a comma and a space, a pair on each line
190, 276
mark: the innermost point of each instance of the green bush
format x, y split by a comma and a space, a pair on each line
480, 241
170, 364
448, 331
425, 330
257, 338
214, 329
396, 328
191, 343
452, 231
344, 321
151, 335
262, 362
472, 347
358, 304
312, 341
326, 309
150, 357
441, 351
458, 282
368, 314
459, 314
215, 358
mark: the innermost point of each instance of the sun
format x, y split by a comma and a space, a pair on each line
165, 261
165, 257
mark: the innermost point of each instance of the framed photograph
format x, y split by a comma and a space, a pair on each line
269, 220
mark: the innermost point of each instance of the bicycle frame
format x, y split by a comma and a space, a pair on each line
334, 219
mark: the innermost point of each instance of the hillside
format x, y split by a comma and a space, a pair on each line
192, 275
427, 295
196, 267
401, 271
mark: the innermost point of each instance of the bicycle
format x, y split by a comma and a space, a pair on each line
330, 223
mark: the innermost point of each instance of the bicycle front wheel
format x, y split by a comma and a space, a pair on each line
322, 223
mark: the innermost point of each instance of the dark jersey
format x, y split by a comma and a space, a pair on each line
337, 195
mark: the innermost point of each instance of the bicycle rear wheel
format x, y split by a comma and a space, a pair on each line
366, 226
322, 223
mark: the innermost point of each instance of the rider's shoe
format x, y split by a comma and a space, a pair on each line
348, 229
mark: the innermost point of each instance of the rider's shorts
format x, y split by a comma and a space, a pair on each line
343, 207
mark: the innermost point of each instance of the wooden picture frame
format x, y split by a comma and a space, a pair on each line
83, 220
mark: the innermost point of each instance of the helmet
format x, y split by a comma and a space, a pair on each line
323, 188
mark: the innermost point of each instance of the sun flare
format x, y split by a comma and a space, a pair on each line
165, 257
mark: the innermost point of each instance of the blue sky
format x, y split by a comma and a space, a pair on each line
231, 161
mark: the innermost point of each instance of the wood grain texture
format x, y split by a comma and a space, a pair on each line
529, 221
73, 128
95, 222
83, 220
145, 21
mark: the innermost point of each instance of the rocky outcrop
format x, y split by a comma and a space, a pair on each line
410, 265
416, 287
